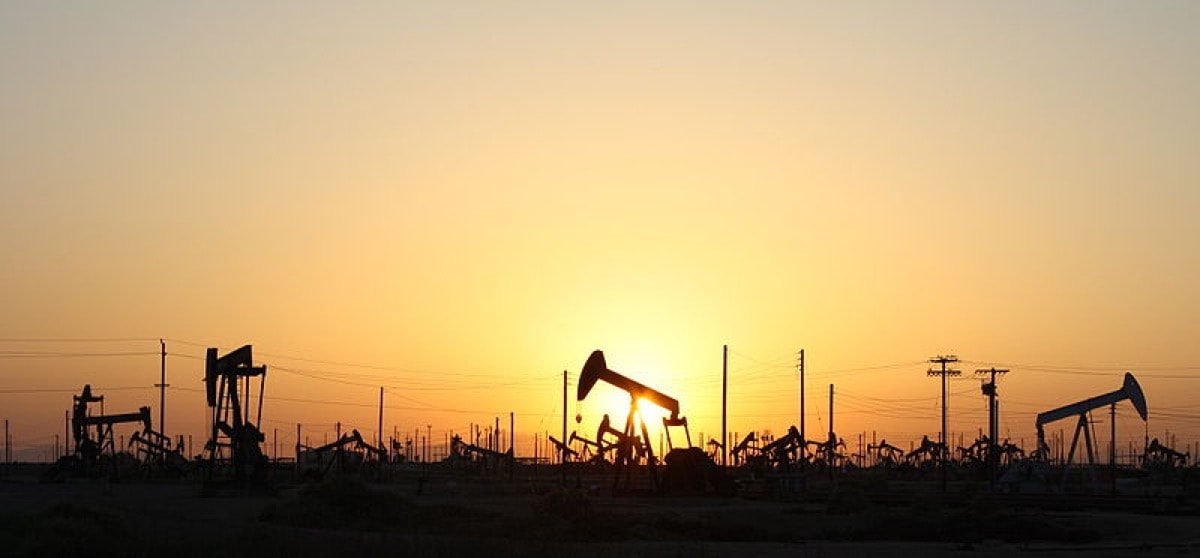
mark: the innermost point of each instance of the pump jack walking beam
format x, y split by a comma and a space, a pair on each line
1130, 390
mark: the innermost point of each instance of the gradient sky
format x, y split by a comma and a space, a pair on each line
472, 196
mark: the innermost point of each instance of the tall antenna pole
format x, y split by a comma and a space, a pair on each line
724, 404
943, 372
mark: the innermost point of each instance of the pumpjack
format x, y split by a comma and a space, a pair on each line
886, 455
157, 451
234, 448
1130, 390
1159, 456
746, 445
782, 452
688, 468
95, 449
480, 458
927, 453
349, 454
586, 454
563, 449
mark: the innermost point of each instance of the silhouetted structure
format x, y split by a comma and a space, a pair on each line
234, 449
95, 446
689, 470
349, 454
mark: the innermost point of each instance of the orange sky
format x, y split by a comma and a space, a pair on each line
473, 197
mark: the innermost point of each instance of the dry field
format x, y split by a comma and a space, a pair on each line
451, 516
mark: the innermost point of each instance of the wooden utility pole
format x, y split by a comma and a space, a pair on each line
562, 452
380, 431
724, 404
943, 372
1112, 448
162, 389
832, 441
801, 369
989, 389
831, 434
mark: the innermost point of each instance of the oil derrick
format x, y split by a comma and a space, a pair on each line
688, 469
95, 447
234, 449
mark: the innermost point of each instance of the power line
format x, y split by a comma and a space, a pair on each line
74, 339
68, 390
60, 354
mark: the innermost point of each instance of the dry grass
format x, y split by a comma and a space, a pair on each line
461, 517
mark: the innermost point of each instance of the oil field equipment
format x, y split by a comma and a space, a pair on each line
1159, 456
95, 449
747, 444
586, 453
782, 452
563, 449
885, 454
479, 459
688, 469
157, 452
349, 454
234, 449
1129, 390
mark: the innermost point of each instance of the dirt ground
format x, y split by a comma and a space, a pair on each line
455, 516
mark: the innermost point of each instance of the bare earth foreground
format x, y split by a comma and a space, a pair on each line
456, 517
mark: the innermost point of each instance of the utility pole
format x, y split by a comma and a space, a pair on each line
1112, 449
943, 372
801, 369
380, 431
562, 452
989, 389
162, 389
831, 434
724, 404
832, 449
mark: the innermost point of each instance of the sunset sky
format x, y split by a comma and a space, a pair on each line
460, 200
